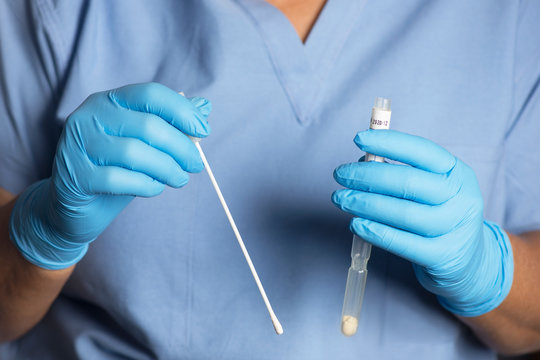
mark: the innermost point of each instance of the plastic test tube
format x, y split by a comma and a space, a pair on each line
361, 250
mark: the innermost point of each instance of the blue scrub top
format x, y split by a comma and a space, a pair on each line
167, 279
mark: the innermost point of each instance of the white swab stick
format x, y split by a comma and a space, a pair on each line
275, 321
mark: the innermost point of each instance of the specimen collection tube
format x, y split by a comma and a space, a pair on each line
361, 250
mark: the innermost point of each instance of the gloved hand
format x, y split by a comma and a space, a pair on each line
430, 213
118, 144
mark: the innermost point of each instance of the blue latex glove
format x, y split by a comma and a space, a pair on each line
118, 144
430, 213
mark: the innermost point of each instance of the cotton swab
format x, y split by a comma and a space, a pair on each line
277, 325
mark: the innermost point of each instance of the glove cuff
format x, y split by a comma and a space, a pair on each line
486, 294
30, 231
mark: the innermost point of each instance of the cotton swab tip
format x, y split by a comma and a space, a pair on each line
277, 325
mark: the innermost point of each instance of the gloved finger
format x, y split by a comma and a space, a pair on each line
414, 248
166, 103
421, 219
409, 149
135, 155
159, 134
113, 180
399, 181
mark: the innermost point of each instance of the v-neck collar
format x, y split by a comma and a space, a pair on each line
303, 68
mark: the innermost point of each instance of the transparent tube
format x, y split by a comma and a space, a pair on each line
361, 250
356, 284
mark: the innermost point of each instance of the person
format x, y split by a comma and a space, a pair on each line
114, 247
